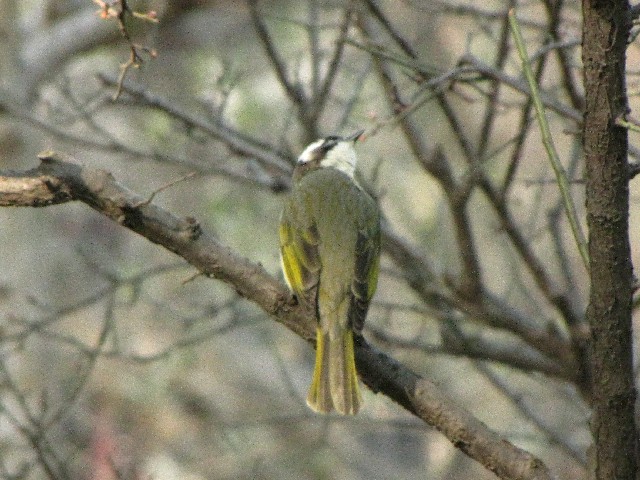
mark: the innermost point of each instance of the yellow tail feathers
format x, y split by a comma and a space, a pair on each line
335, 381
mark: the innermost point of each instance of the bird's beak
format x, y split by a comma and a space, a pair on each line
355, 137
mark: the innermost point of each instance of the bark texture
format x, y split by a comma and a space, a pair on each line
605, 33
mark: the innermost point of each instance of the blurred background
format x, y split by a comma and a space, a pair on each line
118, 361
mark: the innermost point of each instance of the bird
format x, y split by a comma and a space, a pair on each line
330, 254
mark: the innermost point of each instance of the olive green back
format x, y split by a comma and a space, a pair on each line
330, 243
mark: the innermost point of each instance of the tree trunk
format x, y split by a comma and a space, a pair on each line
604, 43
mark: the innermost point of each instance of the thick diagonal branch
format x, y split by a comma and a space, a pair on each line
58, 179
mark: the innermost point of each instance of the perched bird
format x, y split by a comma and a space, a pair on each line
330, 255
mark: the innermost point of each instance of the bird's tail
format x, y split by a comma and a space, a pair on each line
335, 381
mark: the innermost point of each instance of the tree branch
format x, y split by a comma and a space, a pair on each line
58, 179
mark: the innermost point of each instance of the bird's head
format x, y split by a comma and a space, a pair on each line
330, 152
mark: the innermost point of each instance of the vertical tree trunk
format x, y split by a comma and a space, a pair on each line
604, 43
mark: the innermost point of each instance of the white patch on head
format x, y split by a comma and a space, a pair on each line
342, 157
307, 154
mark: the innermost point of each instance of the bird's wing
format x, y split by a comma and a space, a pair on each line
300, 257
365, 277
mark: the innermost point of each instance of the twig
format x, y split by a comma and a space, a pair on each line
514, 354
322, 94
163, 188
118, 10
627, 122
451, 329
236, 141
522, 87
554, 13
458, 193
469, 10
529, 258
492, 99
293, 89
547, 139
525, 117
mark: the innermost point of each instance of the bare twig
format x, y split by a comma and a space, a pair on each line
118, 10
293, 89
322, 93
514, 354
522, 87
164, 187
492, 100
547, 139
236, 141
